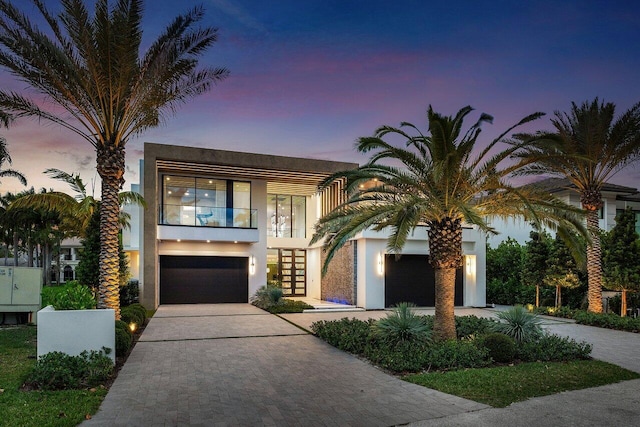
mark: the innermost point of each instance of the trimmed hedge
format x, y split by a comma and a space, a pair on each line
607, 320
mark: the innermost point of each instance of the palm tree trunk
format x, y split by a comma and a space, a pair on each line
110, 162
445, 255
594, 266
30, 251
623, 303
444, 326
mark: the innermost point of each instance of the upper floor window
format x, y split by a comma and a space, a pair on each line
206, 202
286, 215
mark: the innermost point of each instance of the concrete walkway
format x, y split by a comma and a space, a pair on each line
237, 365
233, 364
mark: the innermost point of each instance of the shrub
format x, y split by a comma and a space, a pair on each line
402, 357
454, 354
607, 320
267, 296
140, 309
518, 324
121, 324
129, 293
60, 371
346, 334
553, 348
470, 326
402, 325
71, 296
289, 306
501, 348
131, 315
123, 340
417, 356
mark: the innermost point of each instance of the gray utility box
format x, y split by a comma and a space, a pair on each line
20, 289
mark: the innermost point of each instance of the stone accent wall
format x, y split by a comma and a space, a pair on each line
338, 283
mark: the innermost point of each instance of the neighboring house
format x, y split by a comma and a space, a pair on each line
616, 198
219, 224
69, 260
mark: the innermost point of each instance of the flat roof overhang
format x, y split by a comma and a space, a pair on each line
234, 164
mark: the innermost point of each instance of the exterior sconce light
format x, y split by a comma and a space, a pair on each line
470, 261
252, 265
380, 264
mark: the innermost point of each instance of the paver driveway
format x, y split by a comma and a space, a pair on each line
234, 364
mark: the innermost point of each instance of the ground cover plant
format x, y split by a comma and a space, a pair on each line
509, 384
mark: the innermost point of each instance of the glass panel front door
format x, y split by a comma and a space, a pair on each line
289, 267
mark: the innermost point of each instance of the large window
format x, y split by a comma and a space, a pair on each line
286, 215
206, 202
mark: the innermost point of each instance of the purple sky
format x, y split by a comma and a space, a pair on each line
309, 77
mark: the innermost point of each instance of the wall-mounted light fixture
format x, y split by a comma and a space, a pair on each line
470, 263
380, 264
252, 265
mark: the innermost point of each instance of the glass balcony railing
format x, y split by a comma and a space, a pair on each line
204, 216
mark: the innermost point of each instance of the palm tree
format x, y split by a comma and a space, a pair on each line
89, 66
439, 181
5, 157
587, 148
76, 211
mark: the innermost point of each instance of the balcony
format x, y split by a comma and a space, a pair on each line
201, 216
201, 224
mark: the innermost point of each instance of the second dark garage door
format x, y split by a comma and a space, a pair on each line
412, 279
203, 279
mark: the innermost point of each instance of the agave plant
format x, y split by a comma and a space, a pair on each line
519, 324
402, 324
267, 296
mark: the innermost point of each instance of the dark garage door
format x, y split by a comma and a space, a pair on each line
412, 279
203, 279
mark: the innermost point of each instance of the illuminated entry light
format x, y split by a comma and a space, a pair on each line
380, 264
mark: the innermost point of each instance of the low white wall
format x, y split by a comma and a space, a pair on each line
74, 331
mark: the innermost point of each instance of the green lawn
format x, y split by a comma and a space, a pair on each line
501, 386
36, 408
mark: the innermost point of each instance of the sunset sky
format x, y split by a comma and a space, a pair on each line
309, 77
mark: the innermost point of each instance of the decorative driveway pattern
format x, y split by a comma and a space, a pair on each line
212, 367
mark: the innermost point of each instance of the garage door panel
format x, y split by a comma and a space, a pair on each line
200, 279
412, 279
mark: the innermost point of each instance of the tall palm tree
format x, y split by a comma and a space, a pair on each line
437, 180
5, 157
89, 66
588, 147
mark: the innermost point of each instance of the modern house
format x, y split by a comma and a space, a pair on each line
616, 198
219, 224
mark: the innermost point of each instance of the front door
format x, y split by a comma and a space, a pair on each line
289, 267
